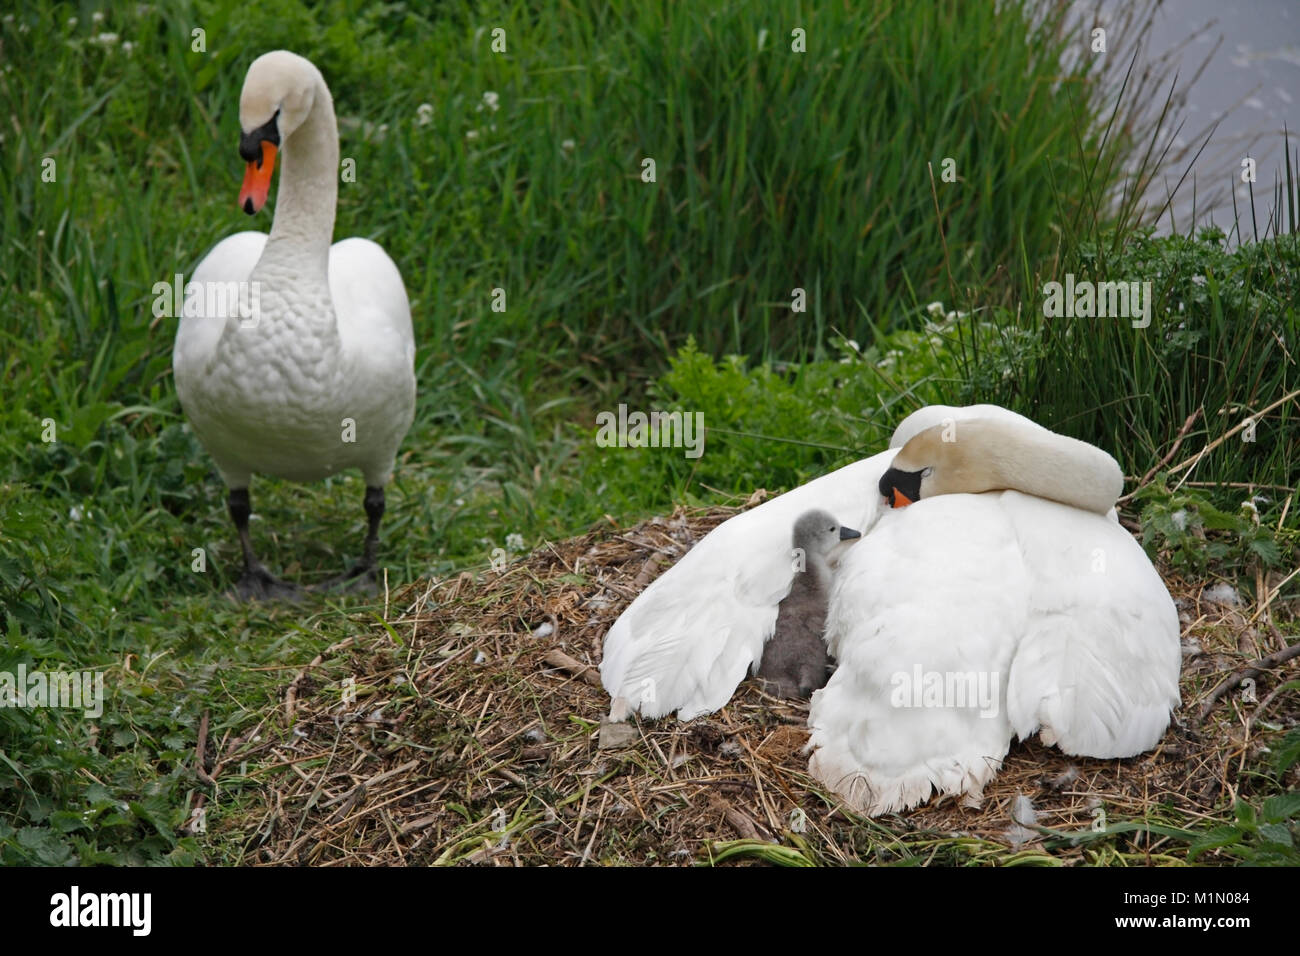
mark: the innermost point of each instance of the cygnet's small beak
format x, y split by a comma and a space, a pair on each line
257, 179
847, 534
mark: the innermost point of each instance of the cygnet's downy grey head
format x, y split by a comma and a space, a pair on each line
817, 532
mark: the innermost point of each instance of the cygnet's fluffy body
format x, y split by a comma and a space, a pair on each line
795, 662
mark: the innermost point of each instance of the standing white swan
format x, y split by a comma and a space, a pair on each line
316, 373
1045, 615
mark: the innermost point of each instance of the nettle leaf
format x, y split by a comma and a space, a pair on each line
47, 848
1287, 755
1266, 549
1276, 833
1214, 839
66, 821
1281, 807
1245, 814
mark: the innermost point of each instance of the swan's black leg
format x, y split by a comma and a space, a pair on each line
256, 583
361, 576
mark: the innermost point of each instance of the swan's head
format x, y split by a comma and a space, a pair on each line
980, 454
818, 533
934, 462
279, 92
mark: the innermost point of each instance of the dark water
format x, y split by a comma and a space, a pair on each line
1249, 86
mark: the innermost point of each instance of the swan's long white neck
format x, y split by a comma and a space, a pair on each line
305, 204
1058, 468
985, 455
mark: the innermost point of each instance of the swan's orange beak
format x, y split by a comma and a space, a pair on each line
257, 180
900, 500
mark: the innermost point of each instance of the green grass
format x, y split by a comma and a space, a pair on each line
774, 170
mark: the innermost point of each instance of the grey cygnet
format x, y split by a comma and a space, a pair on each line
795, 662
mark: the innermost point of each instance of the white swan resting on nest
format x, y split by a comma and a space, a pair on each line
956, 622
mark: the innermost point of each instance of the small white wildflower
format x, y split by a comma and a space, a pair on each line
76, 513
491, 101
127, 47
935, 308
514, 542
424, 114
567, 146
97, 16
72, 21
471, 134
106, 39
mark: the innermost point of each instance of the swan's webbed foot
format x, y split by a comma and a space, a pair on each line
356, 580
363, 577
256, 583
259, 584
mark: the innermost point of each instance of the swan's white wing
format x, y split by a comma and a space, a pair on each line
923, 620
1096, 671
371, 303
376, 338
204, 316
689, 639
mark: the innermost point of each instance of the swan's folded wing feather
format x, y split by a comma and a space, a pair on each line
378, 345
922, 622
203, 317
374, 313
689, 639
1096, 671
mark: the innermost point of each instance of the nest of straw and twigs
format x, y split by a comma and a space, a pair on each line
466, 727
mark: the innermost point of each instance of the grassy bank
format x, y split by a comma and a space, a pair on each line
775, 169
